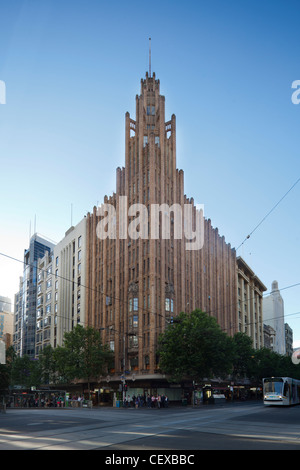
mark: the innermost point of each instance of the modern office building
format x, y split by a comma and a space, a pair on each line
25, 300
5, 304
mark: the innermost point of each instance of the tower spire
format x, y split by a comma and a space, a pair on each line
149, 57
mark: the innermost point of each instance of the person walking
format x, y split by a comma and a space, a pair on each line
158, 401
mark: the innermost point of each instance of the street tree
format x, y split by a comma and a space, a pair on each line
194, 346
47, 365
243, 356
26, 372
85, 356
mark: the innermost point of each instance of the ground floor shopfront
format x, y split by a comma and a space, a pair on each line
122, 391
135, 391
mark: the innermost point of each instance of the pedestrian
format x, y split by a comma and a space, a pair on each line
158, 401
153, 401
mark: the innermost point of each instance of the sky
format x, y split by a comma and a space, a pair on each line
71, 71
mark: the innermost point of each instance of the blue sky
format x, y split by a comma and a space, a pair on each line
72, 70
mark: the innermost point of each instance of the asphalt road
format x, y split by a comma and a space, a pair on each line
237, 426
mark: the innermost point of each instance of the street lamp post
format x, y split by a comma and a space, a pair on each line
124, 363
123, 376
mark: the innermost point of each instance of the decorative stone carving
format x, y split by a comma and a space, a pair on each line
169, 289
133, 288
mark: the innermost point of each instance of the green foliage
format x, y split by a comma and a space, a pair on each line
84, 355
271, 364
47, 365
243, 355
4, 377
25, 372
81, 357
194, 346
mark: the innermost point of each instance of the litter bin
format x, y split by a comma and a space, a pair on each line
184, 402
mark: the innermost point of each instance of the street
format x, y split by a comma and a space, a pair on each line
236, 426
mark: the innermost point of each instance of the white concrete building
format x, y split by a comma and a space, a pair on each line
61, 288
273, 315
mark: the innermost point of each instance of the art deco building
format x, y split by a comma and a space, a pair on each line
274, 316
138, 281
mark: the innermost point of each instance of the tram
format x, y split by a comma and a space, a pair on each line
282, 391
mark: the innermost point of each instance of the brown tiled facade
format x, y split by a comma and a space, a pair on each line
136, 287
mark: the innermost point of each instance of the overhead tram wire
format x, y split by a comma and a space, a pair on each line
85, 287
267, 215
122, 301
149, 310
274, 318
71, 281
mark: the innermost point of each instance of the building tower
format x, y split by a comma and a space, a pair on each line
25, 315
273, 315
137, 284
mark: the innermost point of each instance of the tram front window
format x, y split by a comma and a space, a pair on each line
273, 386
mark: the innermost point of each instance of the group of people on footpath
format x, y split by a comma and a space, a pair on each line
149, 401
37, 402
